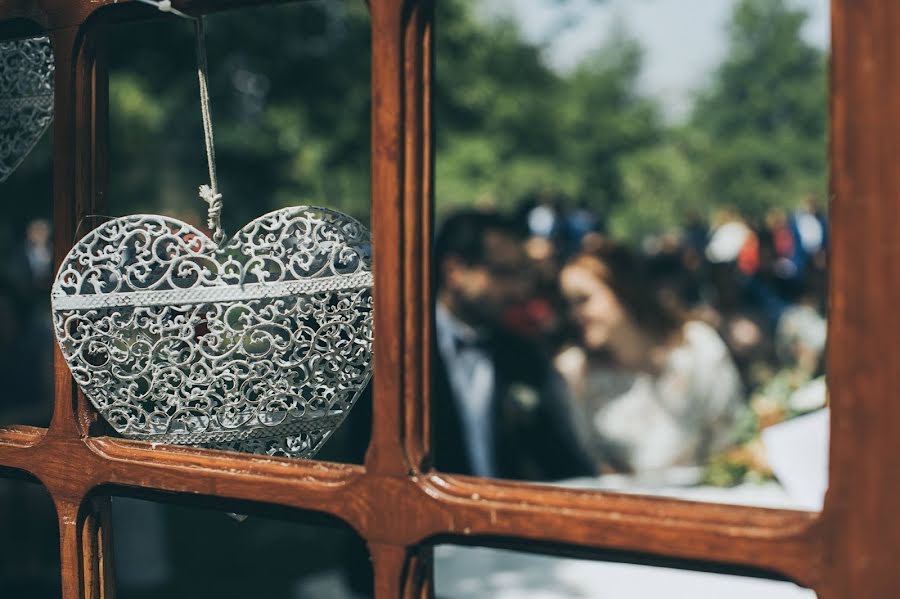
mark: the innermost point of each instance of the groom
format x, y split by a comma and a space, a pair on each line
499, 410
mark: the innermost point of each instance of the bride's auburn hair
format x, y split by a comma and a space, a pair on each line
628, 276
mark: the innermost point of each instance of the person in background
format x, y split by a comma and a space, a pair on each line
29, 273
656, 394
32, 265
810, 230
499, 408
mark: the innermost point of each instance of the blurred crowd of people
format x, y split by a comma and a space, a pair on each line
563, 353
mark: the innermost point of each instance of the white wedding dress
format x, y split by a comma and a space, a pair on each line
663, 426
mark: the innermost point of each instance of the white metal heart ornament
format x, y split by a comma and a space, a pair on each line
260, 344
26, 98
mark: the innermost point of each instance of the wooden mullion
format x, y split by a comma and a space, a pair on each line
65, 163
298, 484
863, 536
97, 550
417, 213
389, 565
79, 185
426, 223
71, 556
19, 437
401, 572
385, 454
410, 510
418, 574
16, 443
92, 160
85, 549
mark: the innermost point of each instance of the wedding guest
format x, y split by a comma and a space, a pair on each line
656, 393
26, 283
498, 405
31, 267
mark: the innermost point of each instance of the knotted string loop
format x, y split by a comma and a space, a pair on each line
208, 193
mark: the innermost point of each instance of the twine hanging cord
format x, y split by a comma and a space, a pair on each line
208, 193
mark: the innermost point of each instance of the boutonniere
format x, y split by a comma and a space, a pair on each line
524, 397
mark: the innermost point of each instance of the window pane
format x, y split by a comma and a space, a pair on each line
478, 572
29, 541
26, 251
177, 552
289, 91
631, 245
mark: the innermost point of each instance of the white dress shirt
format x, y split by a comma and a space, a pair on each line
471, 374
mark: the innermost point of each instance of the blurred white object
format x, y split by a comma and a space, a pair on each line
571, 364
811, 396
727, 241
801, 334
767, 494
541, 221
482, 573
812, 233
797, 450
327, 584
652, 424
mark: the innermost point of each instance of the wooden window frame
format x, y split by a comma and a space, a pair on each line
396, 501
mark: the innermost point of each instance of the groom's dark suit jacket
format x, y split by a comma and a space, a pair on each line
533, 435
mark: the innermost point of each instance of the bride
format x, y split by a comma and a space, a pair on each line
655, 394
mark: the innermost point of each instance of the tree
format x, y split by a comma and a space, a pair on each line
605, 120
765, 114
756, 138
496, 106
660, 187
509, 126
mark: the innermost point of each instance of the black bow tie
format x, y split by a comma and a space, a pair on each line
464, 343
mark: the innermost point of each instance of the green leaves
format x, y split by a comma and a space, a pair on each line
756, 138
508, 126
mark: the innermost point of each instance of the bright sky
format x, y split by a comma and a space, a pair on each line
683, 40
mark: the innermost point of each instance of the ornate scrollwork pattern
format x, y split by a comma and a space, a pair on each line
261, 345
26, 98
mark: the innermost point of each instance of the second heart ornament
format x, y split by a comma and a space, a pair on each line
26, 98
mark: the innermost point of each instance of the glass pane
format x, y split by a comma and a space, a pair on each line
631, 245
478, 572
177, 552
26, 251
29, 541
288, 348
